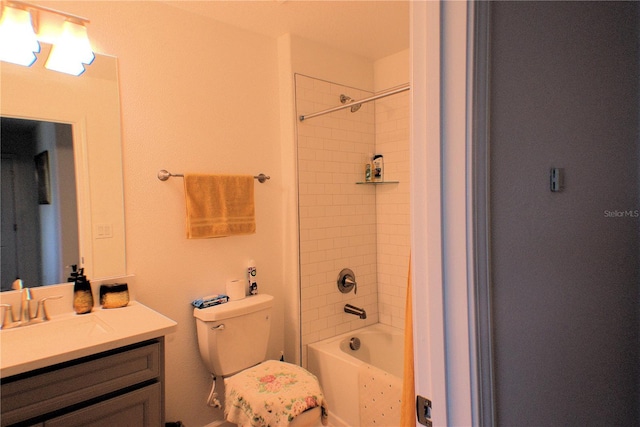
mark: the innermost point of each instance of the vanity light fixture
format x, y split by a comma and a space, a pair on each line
71, 50
18, 41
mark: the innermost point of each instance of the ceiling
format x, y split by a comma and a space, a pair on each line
370, 28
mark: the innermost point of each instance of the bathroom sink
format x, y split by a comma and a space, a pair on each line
70, 336
37, 337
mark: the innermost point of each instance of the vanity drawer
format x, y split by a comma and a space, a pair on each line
140, 408
33, 394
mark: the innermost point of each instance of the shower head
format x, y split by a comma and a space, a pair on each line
345, 99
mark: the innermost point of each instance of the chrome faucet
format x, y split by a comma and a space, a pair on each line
25, 317
25, 301
8, 320
25, 305
41, 312
351, 309
17, 284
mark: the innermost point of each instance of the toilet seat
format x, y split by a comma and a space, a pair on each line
271, 393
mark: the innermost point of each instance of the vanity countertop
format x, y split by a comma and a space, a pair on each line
70, 336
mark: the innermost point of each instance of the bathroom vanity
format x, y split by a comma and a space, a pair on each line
119, 387
105, 368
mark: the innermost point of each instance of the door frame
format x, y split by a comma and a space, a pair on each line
426, 218
443, 219
481, 215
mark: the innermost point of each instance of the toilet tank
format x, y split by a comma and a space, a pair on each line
235, 335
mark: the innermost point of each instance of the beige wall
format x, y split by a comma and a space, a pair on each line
392, 201
312, 59
197, 96
392, 208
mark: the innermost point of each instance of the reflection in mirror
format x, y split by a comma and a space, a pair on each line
84, 199
39, 209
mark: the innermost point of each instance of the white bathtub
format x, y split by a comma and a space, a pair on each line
342, 375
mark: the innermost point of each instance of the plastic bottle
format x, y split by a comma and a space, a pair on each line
251, 277
378, 167
82, 296
367, 168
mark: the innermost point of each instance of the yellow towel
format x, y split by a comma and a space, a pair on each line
219, 205
408, 414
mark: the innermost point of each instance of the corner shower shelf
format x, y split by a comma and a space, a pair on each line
377, 182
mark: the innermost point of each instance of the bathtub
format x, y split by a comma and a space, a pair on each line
362, 387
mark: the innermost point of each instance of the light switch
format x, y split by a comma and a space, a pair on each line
104, 231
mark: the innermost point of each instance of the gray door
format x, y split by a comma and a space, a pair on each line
564, 280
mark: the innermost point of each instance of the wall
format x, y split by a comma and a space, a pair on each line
564, 93
313, 59
392, 201
196, 96
392, 208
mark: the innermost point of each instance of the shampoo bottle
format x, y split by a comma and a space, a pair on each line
378, 168
367, 168
82, 296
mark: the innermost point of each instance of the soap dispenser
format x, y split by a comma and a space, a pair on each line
82, 296
74, 273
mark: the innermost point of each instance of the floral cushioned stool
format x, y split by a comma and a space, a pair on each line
271, 394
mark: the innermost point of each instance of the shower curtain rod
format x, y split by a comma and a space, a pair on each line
388, 92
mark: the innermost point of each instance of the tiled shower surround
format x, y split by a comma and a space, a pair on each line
343, 224
392, 208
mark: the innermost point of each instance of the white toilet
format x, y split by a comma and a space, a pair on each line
233, 339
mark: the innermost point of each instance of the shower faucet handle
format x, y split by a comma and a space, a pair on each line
347, 281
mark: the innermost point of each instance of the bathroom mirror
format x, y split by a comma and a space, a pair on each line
39, 204
90, 106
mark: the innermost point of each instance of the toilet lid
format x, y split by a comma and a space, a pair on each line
271, 393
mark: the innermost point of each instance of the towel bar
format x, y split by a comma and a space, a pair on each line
164, 175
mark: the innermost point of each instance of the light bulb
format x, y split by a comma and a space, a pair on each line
18, 42
72, 51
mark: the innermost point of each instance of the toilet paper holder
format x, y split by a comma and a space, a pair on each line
347, 281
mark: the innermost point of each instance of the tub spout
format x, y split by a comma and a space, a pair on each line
351, 309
